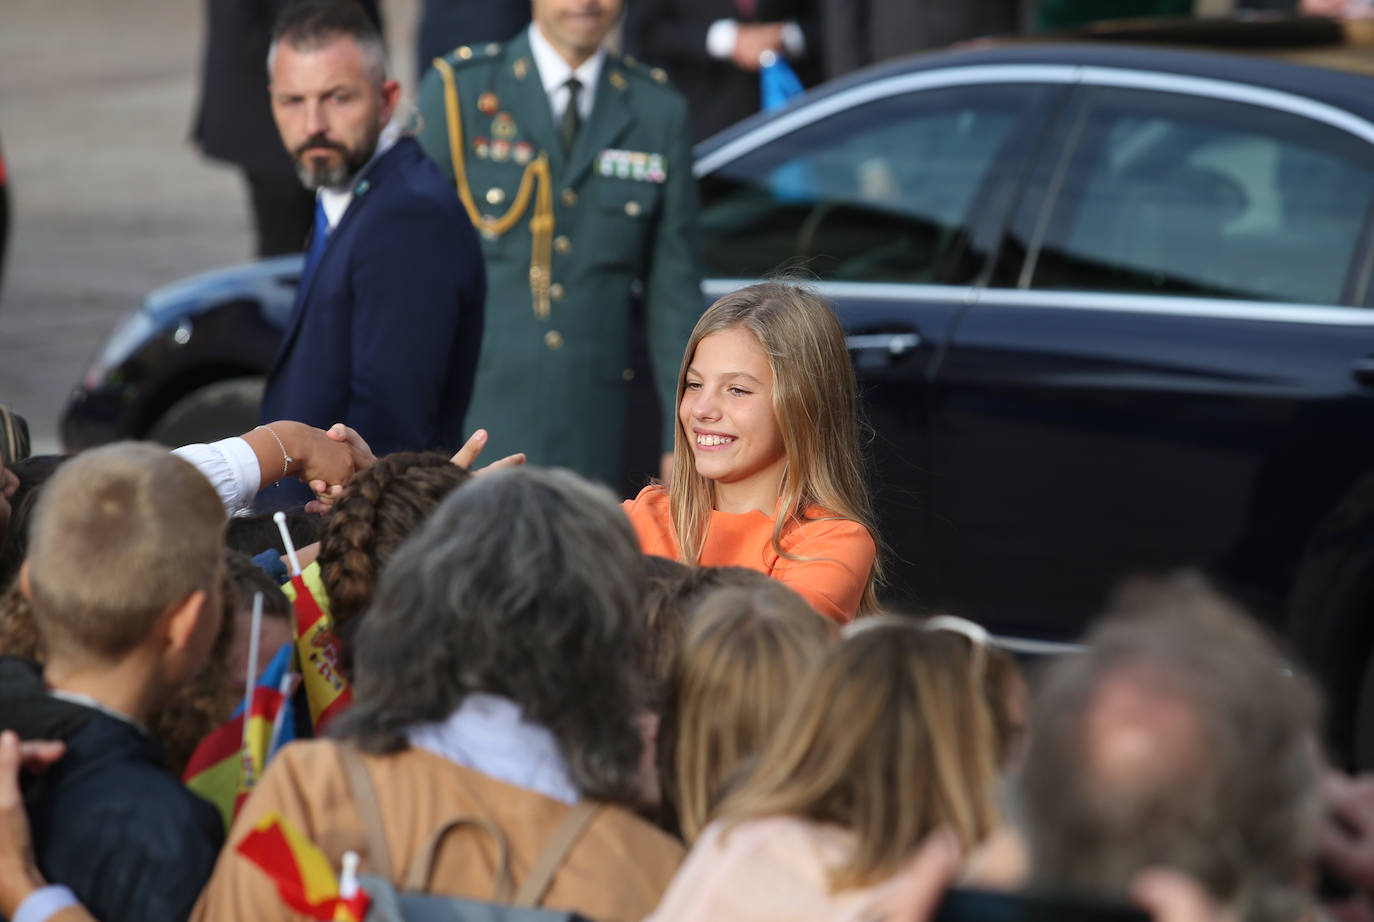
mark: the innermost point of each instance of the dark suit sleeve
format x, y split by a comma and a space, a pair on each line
673, 286
416, 283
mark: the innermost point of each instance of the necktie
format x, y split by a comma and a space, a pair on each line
317, 242
571, 121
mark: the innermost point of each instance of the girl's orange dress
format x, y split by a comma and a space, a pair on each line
840, 552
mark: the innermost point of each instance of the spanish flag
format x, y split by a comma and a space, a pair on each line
227, 764
317, 649
304, 878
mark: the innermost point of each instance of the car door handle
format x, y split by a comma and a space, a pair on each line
894, 344
1363, 369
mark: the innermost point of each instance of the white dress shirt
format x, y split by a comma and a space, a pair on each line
489, 734
554, 73
231, 466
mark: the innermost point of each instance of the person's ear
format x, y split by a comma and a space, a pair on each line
180, 622
25, 587
391, 95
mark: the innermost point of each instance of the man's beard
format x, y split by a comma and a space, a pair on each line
318, 173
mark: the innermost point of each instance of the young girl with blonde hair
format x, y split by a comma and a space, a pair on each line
766, 468
888, 740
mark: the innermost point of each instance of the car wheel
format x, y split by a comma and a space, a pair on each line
215, 411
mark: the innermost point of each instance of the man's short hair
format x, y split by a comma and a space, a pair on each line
121, 534
1180, 736
310, 24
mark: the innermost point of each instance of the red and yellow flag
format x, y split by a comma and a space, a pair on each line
317, 647
304, 878
226, 765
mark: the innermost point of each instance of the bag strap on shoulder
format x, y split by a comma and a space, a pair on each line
369, 811
555, 852
536, 883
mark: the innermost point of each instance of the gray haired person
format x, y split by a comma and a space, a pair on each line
1180, 737
494, 676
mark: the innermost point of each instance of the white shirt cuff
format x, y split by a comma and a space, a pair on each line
793, 40
721, 38
44, 903
231, 466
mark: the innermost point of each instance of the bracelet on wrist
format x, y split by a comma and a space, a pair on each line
286, 458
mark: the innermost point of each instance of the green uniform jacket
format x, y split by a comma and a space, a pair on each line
624, 216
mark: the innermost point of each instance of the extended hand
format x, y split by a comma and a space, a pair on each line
465, 456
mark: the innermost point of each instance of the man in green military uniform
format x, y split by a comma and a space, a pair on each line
576, 167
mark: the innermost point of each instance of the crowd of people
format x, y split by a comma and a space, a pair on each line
683, 706
688, 705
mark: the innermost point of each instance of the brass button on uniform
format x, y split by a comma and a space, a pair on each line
632, 209
562, 244
465, 52
569, 197
628, 374
556, 291
495, 196
553, 339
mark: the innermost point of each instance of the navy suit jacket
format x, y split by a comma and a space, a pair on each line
384, 336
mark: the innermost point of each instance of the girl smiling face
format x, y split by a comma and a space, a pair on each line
727, 415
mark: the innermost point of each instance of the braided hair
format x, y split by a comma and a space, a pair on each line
380, 508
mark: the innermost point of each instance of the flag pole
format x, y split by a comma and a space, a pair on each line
254, 639
280, 519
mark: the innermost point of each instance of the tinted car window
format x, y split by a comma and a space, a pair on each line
1170, 194
880, 192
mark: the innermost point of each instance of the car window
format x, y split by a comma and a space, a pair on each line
1170, 194
880, 192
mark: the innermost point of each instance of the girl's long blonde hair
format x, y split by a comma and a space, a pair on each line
815, 402
889, 738
742, 660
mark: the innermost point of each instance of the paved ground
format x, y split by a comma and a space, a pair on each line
108, 197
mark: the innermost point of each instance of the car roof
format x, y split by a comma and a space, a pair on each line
1317, 65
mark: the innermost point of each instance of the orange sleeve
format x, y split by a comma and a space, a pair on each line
833, 581
652, 518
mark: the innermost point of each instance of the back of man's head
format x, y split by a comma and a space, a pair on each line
1179, 737
121, 534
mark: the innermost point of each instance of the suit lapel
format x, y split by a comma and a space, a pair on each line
376, 173
611, 116
519, 80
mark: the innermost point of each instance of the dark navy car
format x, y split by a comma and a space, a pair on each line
1110, 308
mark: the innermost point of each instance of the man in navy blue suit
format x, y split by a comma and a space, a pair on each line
388, 318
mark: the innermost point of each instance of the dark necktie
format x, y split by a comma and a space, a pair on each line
571, 121
317, 242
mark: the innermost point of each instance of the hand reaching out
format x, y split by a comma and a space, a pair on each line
465, 456
340, 448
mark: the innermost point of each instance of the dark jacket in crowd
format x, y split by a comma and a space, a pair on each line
109, 820
672, 34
